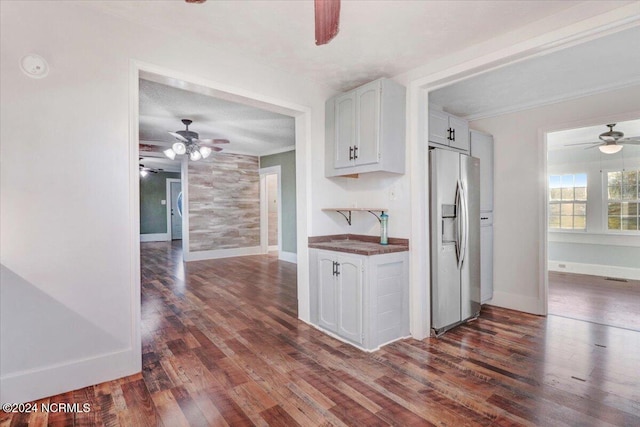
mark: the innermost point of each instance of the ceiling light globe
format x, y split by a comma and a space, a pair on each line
205, 151
170, 153
610, 148
179, 148
195, 156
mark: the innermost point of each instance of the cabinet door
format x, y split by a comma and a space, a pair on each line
438, 127
327, 293
350, 298
345, 123
460, 129
368, 128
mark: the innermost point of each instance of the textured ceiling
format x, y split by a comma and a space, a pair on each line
250, 130
376, 38
599, 65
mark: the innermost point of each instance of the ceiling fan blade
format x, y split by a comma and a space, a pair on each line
216, 148
327, 20
178, 136
630, 142
582, 143
213, 141
593, 146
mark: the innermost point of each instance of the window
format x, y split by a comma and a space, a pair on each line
623, 200
568, 202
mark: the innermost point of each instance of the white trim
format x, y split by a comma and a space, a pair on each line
34, 384
272, 248
154, 237
595, 270
135, 313
278, 150
168, 205
264, 207
288, 257
223, 253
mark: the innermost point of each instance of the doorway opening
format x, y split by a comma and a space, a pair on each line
592, 227
271, 209
174, 209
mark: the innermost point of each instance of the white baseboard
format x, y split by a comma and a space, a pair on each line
154, 237
595, 270
27, 386
288, 257
516, 302
222, 253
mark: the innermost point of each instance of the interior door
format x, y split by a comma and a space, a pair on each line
368, 119
176, 212
327, 294
350, 298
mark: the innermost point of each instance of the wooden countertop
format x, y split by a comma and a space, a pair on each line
358, 244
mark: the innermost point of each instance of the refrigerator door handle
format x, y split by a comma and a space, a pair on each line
462, 221
458, 223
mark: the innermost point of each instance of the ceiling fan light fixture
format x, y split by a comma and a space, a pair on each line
610, 148
170, 153
205, 151
195, 155
143, 173
179, 148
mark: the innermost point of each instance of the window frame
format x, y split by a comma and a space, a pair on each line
605, 202
573, 201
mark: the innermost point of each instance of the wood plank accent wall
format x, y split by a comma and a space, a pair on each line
224, 202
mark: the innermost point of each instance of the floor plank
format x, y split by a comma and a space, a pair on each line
222, 346
595, 299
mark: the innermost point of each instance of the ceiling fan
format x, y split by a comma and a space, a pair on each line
144, 170
610, 141
189, 143
327, 18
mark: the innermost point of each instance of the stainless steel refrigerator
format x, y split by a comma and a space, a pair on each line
454, 183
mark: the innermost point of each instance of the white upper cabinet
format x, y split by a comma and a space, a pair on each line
365, 130
448, 130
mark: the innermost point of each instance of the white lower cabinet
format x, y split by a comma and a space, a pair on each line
362, 299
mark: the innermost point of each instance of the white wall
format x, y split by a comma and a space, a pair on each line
66, 195
520, 188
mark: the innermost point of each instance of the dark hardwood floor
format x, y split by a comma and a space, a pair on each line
222, 346
595, 299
